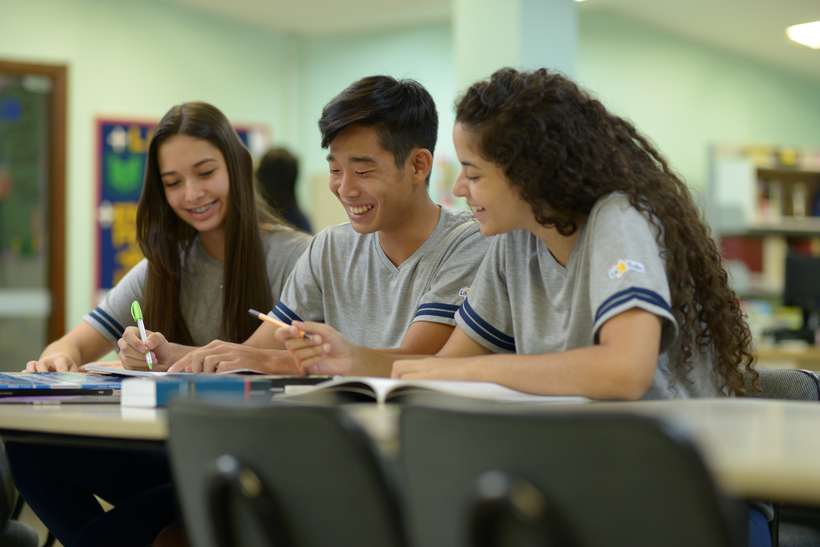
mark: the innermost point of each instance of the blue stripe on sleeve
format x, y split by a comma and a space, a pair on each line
631, 293
439, 306
284, 313
111, 321
436, 310
434, 313
485, 330
104, 324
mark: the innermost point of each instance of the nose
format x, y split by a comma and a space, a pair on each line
348, 187
460, 187
193, 191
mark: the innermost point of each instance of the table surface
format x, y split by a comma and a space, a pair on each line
757, 449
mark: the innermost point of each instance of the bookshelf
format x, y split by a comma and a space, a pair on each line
763, 202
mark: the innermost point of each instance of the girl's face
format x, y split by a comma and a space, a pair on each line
496, 204
196, 182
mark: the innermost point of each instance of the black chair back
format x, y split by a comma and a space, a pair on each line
281, 475
575, 479
786, 383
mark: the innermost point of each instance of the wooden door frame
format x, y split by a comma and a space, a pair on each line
58, 74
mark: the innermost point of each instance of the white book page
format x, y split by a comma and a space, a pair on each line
384, 387
477, 390
116, 369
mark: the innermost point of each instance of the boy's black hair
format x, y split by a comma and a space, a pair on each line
402, 112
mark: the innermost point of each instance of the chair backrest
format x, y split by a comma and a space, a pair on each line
280, 475
12, 532
479, 478
786, 383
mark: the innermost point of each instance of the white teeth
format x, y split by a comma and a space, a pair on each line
202, 209
360, 210
476, 209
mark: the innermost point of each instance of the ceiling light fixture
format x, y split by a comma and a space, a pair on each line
807, 34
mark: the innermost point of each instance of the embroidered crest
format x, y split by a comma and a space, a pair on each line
625, 265
463, 292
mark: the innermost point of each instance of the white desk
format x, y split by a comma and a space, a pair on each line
756, 449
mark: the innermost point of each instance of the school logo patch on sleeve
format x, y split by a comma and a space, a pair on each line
625, 265
463, 292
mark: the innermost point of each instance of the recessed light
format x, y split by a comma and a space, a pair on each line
807, 34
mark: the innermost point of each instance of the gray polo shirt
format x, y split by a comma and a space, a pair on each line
201, 287
523, 301
346, 280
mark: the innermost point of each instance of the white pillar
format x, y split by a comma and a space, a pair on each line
523, 34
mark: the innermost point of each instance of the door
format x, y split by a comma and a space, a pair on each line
32, 210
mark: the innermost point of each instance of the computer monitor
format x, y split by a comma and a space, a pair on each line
802, 288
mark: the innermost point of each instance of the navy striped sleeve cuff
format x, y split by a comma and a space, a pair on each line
284, 313
109, 326
482, 328
632, 297
435, 310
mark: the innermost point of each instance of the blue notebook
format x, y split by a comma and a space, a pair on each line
56, 383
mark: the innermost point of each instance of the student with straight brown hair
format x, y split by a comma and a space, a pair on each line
209, 256
211, 251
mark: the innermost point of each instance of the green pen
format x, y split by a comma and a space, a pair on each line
136, 313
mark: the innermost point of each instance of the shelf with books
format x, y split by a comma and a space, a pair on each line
763, 202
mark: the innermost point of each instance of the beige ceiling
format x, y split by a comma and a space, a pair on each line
755, 28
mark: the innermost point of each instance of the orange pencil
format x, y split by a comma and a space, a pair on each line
274, 321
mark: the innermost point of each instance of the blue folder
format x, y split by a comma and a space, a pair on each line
57, 383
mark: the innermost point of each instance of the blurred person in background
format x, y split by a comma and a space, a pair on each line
276, 180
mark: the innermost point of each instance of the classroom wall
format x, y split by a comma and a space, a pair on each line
136, 59
686, 96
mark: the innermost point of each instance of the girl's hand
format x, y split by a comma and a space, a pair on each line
220, 356
56, 362
132, 350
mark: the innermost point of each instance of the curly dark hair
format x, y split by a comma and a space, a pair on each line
564, 151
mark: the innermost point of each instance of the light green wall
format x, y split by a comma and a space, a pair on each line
685, 96
137, 59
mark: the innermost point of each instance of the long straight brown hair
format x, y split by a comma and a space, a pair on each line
165, 238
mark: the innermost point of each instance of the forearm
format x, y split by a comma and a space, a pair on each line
595, 372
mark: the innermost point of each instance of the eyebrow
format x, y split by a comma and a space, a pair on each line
197, 164
355, 159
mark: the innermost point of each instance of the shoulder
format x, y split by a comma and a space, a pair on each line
135, 275
275, 236
615, 215
458, 219
459, 227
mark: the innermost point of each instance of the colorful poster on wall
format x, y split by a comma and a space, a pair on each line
122, 147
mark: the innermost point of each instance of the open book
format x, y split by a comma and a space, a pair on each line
383, 390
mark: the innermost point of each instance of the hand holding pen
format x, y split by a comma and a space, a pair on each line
273, 321
136, 313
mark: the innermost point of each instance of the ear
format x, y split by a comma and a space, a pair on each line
421, 163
